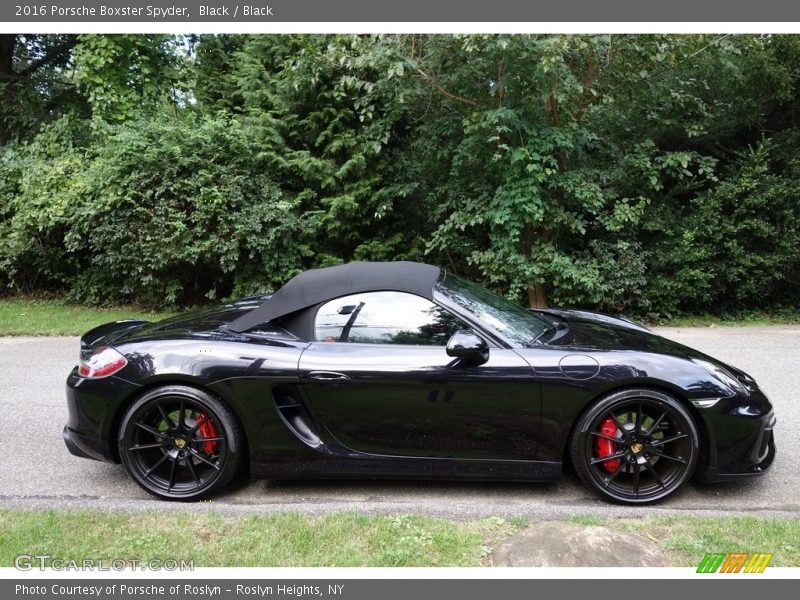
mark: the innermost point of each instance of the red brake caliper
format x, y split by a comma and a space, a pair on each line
607, 447
207, 430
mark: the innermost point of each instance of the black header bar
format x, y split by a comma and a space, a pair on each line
467, 11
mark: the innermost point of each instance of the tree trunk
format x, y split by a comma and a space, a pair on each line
537, 296
7, 44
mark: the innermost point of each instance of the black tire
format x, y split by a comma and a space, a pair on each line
652, 453
180, 443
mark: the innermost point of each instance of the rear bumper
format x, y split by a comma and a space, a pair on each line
82, 446
92, 407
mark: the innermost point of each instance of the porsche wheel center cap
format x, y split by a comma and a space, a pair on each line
180, 442
636, 448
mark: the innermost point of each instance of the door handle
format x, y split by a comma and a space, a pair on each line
330, 377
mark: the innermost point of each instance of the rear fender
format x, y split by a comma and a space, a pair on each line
106, 334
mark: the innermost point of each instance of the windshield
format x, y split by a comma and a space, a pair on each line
510, 320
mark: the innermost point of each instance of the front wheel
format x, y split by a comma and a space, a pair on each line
180, 443
635, 446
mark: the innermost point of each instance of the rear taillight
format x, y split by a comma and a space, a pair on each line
103, 362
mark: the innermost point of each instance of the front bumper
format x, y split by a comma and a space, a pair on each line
754, 456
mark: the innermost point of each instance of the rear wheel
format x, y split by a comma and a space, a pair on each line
635, 446
180, 443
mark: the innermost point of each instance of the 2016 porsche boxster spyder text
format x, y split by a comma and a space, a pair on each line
404, 370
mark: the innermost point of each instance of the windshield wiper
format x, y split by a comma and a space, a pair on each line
551, 328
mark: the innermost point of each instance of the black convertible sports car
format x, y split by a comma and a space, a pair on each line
405, 370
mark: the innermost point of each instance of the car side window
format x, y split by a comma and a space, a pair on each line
385, 318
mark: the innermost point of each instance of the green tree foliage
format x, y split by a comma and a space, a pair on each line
123, 75
557, 154
648, 175
330, 117
35, 82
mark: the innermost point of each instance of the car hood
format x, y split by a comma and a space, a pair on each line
595, 331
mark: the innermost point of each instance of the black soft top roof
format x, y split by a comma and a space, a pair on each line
318, 285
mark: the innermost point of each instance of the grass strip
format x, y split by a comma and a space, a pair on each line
211, 540
22, 316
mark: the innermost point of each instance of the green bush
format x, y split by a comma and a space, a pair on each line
38, 202
732, 247
156, 211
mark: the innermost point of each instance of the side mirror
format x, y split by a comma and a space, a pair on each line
469, 346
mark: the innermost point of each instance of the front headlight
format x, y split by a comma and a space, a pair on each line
724, 376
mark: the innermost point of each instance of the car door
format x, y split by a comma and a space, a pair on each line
379, 379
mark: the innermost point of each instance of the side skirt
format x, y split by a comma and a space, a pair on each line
331, 467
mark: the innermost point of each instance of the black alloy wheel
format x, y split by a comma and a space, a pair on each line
180, 443
635, 446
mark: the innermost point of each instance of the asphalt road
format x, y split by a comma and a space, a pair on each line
37, 471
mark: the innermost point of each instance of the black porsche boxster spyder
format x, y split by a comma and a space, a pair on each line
404, 370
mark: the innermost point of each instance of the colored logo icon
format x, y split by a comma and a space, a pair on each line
736, 562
